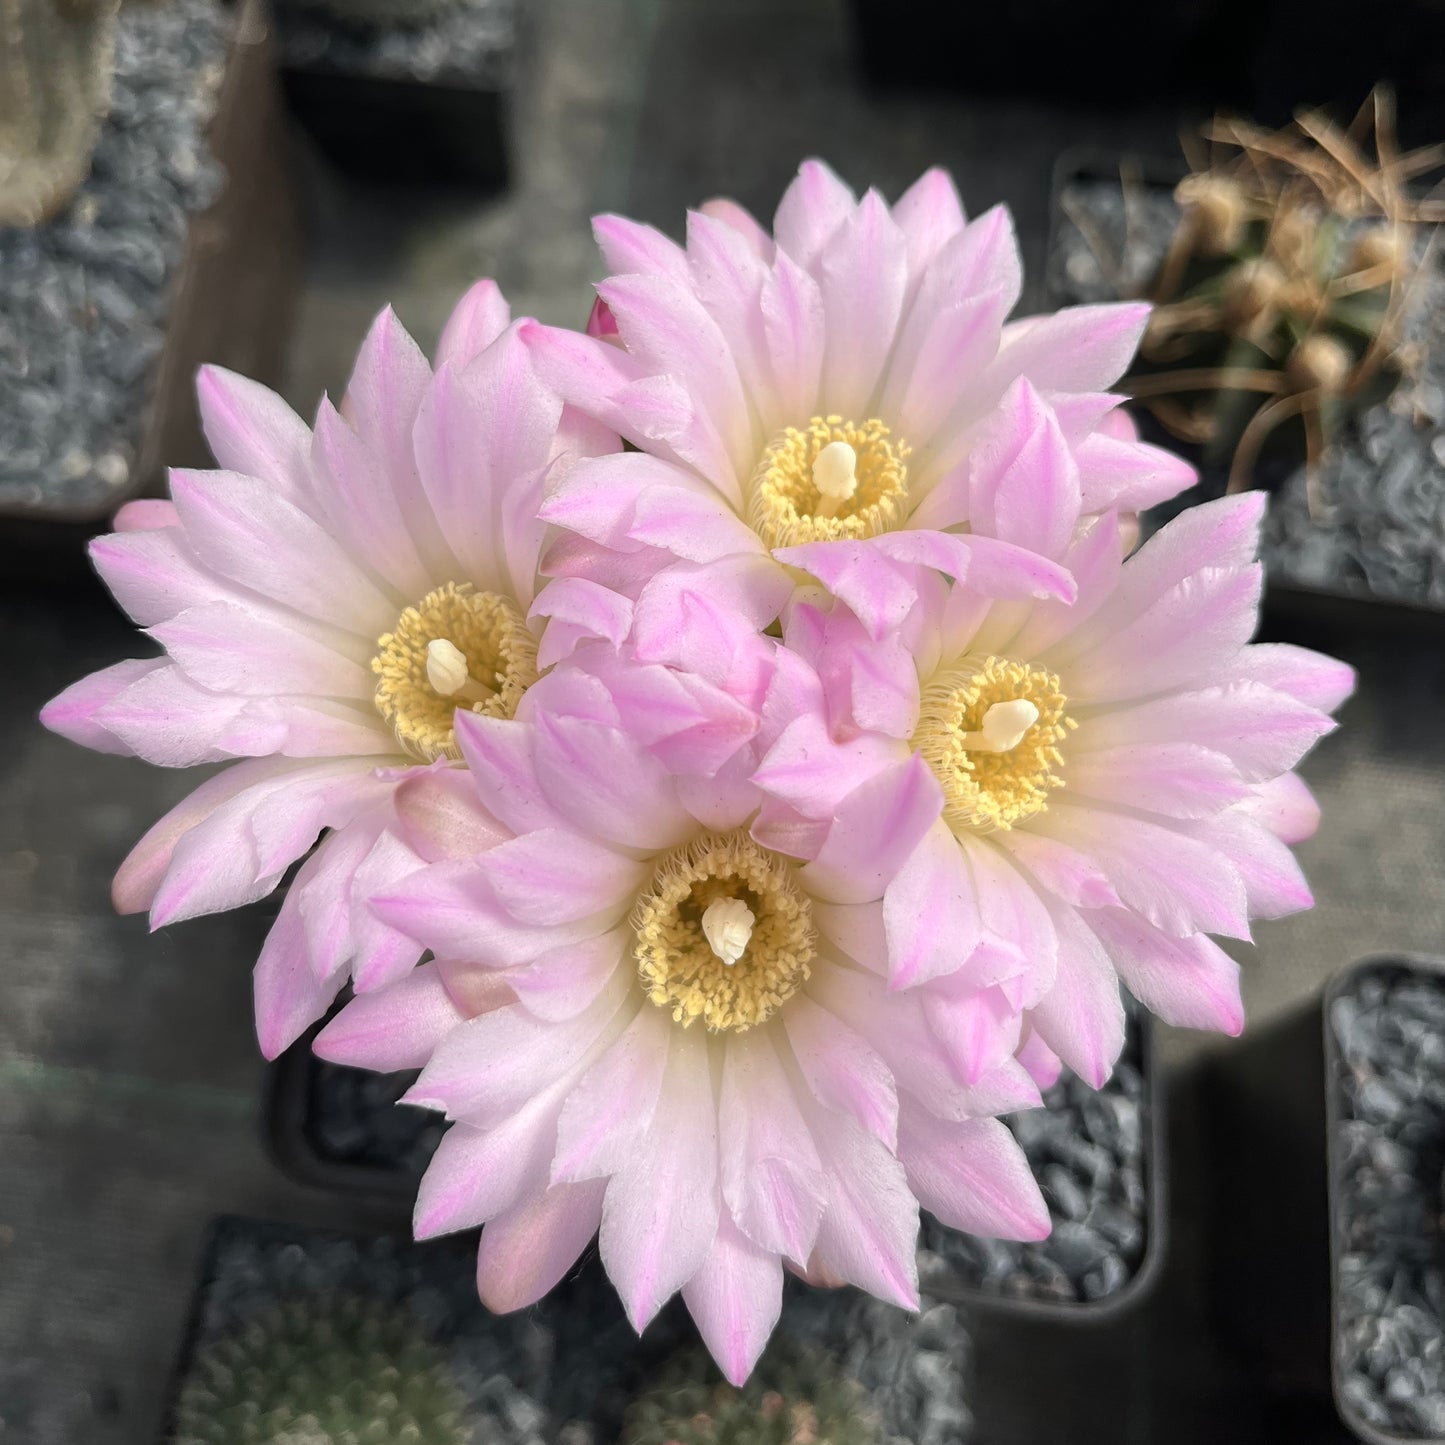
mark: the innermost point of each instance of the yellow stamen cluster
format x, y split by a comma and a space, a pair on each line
985, 789
488, 631
677, 966
785, 507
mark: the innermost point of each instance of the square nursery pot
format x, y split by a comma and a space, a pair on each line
1099, 1158
182, 247
424, 102
381, 1339
1381, 535
1098, 1155
1385, 1116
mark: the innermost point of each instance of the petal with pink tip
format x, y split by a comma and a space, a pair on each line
770, 1172
1130, 475
396, 1028
811, 210
973, 1176
874, 830
288, 995
1179, 780
476, 321
660, 1216
843, 1071
72, 714
930, 912
929, 213
1285, 806
1081, 348
499, 754
438, 815
554, 875
795, 333
578, 610
631, 249
1081, 1017
735, 1299
1311, 677
527, 1249
1189, 982
251, 430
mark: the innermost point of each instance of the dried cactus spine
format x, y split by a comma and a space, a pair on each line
55, 76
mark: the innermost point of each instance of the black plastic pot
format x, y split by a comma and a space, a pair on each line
378, 120
1156, 182
1029, 1291
341, 1129
1386, 1154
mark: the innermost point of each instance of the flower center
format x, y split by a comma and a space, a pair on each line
724, 933
456, 648
833, 479
991, 733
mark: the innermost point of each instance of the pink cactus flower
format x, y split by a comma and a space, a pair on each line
644, 1022
1117, 774
815, 396
325, 603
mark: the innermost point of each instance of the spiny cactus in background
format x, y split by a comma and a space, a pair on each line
381, 14
1283, 293
55, 74
795, 1397
322, 1369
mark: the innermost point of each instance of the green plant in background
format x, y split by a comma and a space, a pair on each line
56, 58
322, 1369
795, 1397
381, 14
1283, 294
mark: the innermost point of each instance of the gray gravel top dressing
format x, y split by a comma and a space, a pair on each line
1087, 1150
84, 299
1389, 1152
470, 44
1383, 528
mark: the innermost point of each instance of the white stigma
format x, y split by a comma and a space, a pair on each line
446, 670
1004, 726
835, 474
727, 924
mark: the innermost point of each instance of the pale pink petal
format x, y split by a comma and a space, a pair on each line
554, 875
796, 336
874, 830
811, 210
869, 1233
477, 1174
742, 220
1081, 348
438, 815
73, 713
559, 985
630, 248
735, 1299
606, 1117
1314, 679
251, 430
477, 320
1179, 884
660, 1216
395, 1028
491, 1066
810, 772
1130, 475
979, 1028
1189, 982
355, 498
1273, 881
248, 532
991, 567
1081, 1017
877, 590
259, 652
499, 754
1261, 731
973, 1176
929, 213
1067, 872
727, 274
527, 1249
770, 1172
289, 997
1043, 1064
843, 1071
1180, 780
930, 912
382, 399
153, 574
1285, 806
863, 271
578, 610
